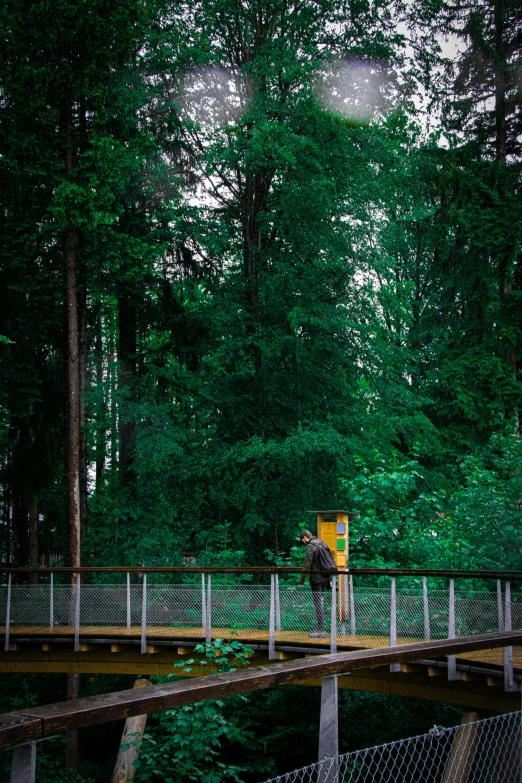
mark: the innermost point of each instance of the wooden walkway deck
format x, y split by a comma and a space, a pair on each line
95, 634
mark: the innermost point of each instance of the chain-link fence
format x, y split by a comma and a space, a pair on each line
487, 751
363, 612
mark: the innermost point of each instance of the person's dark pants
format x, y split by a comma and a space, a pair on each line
318, 590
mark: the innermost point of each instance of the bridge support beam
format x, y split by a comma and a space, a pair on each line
453, 674
23, 765
271, 620
509, 681
329, 720
395, 667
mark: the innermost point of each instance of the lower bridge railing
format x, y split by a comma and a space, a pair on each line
483, 751
402, 607
397, 762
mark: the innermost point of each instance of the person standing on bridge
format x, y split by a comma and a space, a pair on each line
317, 558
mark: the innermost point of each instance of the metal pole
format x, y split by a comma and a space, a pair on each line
352, 608
509, 682
23, 765
394, 667
500, 611
333, 617
271, 621
277, 604
453, 674
328, 731
144, 616
426, 608
8, 614
51, 602
128, 602
77, 616
203, 603
208, 618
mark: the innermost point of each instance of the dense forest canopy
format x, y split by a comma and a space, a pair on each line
259, 257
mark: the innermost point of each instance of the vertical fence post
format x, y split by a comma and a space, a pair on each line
426, 608
77, 616
394, 667
23, 765
203, 603
271, 621
277, 604
8, 614
500, 611
352, 607
453, 674
128, 602
208, 613
333, 617
51, 602
329, 730
509, 680
144, 615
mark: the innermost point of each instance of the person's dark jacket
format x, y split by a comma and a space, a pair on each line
311, 561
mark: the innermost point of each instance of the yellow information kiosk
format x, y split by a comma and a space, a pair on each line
332, 528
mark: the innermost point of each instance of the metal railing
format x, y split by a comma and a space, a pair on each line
484, 751
350, 612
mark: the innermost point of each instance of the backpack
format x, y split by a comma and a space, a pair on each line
323, 558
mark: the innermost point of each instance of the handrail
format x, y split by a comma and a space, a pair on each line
239, 570
40, 722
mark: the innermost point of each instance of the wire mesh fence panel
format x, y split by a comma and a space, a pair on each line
487, 751
173, 605
366, 610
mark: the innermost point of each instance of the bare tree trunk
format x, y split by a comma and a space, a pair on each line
73, 396
33, 536
73, 371
101, 421
72, 748
127, 349
82, 367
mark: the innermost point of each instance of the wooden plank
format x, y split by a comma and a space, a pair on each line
67, 716
17, 728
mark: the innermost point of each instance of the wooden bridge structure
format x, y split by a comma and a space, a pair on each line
378, 638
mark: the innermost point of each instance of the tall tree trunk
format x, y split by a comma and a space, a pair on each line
127, 348
101, 419
73, 371
20, 438
82, 366
33, 536
73, 395
72, 748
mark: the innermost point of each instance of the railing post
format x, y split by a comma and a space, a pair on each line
329, 730
394, 667
499, 606
271, 621
208, 613
203, 603
352, 607
333, 617
51, 602
426, 608
144, 615
453, 674
277, 604
7, 614
23, 765
77, 616
128, 602
509, 680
